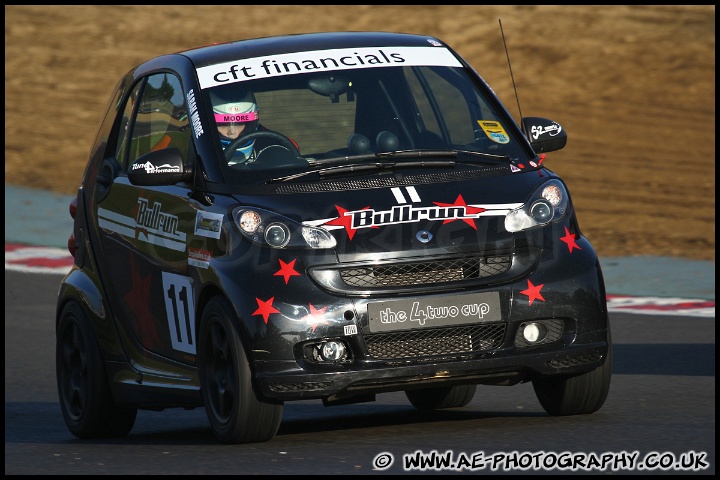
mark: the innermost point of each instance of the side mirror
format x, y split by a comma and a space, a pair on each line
544, 135
161, 167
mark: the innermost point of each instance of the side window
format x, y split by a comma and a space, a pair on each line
124, 132
161, 120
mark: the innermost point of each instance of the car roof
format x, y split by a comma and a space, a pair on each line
224, 52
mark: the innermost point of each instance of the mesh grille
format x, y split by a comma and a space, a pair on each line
343, 185
442, 341
298, 387
573, 361
426, 273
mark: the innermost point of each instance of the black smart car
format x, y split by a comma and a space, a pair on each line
321, 216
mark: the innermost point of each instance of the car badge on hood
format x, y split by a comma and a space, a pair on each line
424, 236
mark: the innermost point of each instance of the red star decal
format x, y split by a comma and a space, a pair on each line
344, 221
137, 300
533, 292
460, 202
139, 230
569, 238
287, 270
265, 308
316, 316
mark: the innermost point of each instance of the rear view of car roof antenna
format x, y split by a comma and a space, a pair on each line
512, 77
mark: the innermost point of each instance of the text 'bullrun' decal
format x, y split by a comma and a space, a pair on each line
150, 225
323, 61
367, 217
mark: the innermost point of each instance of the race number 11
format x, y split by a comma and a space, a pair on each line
180, 311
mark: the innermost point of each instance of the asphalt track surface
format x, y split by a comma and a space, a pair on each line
661, 404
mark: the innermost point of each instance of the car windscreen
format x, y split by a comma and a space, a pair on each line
353, 115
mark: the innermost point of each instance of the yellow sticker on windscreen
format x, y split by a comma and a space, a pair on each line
494, 131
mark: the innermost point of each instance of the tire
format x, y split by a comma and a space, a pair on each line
445, 397
236, 413
83, 388
575, 394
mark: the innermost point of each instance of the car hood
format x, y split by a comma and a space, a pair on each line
403, 220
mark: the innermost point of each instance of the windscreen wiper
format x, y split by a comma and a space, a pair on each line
454, 153
417, 153
489, 156
367, 167
385, 166
359, 163
363, 158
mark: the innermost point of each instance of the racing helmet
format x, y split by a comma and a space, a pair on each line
236, 107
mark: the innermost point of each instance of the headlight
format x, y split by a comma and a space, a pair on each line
548, 203
249, 221
277, 235
264, 227
541, 211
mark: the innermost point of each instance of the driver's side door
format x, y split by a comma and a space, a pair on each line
144, 230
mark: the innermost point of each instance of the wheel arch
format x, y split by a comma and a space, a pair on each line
79, 287
207, 294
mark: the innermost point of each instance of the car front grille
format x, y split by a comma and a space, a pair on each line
425, 273
378, 278
433, 342
300, 387
562, 362
376, 182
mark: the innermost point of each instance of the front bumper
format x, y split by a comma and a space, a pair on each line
499, 367
561, 292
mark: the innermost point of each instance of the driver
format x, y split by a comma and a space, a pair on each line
236, 113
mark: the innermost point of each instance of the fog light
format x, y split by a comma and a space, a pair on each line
333, 351
531, 333
534, 332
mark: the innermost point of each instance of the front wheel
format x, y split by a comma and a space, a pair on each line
83, 387
443, 397
236, 413
562, 395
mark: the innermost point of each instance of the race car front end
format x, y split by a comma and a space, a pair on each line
411, 294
